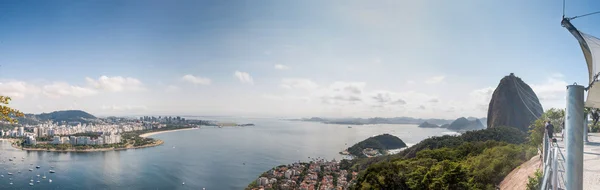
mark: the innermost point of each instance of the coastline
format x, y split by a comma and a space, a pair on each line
145, 135
158, 142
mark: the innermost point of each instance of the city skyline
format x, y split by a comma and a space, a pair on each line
421, 59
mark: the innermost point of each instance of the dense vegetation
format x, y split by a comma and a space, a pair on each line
380, 142
58, 116
473, 160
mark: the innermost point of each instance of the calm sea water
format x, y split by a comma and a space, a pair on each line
211, 158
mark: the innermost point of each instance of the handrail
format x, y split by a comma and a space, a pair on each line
553, 159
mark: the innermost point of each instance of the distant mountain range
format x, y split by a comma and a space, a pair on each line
380, 120
65, 116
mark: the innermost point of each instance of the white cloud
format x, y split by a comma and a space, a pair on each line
244, 77
298, 83
552, 93
60, 89
281, 67
115, 84
172, 88
123, 108
17, 89
196, 80
435, 80
481, 98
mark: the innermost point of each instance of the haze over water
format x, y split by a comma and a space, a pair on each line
213, 158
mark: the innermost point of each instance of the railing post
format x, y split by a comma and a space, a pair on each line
574, 143
555, 168
585, 128
546, 145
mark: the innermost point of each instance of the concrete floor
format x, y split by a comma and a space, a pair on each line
591, 161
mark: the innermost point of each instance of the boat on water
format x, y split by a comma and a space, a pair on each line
44, 177
51, 171
10, 183
31, 180
9, 173
31, 184
50, 180
37, 167
38, 181
38, 175
30, 169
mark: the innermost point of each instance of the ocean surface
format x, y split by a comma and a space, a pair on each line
211, 158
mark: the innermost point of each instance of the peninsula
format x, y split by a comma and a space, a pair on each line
78, 131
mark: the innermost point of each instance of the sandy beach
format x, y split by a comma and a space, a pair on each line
159, 132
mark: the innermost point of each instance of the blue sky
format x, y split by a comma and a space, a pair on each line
285, 58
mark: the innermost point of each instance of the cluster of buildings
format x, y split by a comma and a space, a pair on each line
86, 140
61, 134
305, 176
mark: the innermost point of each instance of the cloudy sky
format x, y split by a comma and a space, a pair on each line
438, 59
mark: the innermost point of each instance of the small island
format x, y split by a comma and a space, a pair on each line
375, 146
428, 125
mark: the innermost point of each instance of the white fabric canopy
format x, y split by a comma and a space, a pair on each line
592, 57
590, 46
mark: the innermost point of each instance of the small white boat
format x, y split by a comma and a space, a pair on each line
44, 177
38, 181
31, 180
30, 169
51, 171
31, 184
37, 167
183, 183
50, 180
9, 173
10, 183
38, 175
1, 175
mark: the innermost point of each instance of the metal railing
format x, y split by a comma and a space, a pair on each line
554, 165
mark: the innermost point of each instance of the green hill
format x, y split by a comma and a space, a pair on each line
474, 160
58, 117
380, 142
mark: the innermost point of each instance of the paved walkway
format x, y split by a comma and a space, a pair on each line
591, 161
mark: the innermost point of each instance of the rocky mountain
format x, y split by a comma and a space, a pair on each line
464, 124
65, 116
513, 104
428, 125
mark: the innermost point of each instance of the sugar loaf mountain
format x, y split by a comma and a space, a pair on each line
513, 104
480, 157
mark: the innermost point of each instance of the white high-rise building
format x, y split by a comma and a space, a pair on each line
21, 131
56, 140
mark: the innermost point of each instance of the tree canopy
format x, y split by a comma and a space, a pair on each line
7, 113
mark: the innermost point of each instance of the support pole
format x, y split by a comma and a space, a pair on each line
585, 128
574, 144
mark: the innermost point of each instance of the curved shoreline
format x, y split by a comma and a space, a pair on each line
145, 135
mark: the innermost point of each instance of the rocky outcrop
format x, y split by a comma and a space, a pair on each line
513, 104
428, 125
464, 124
